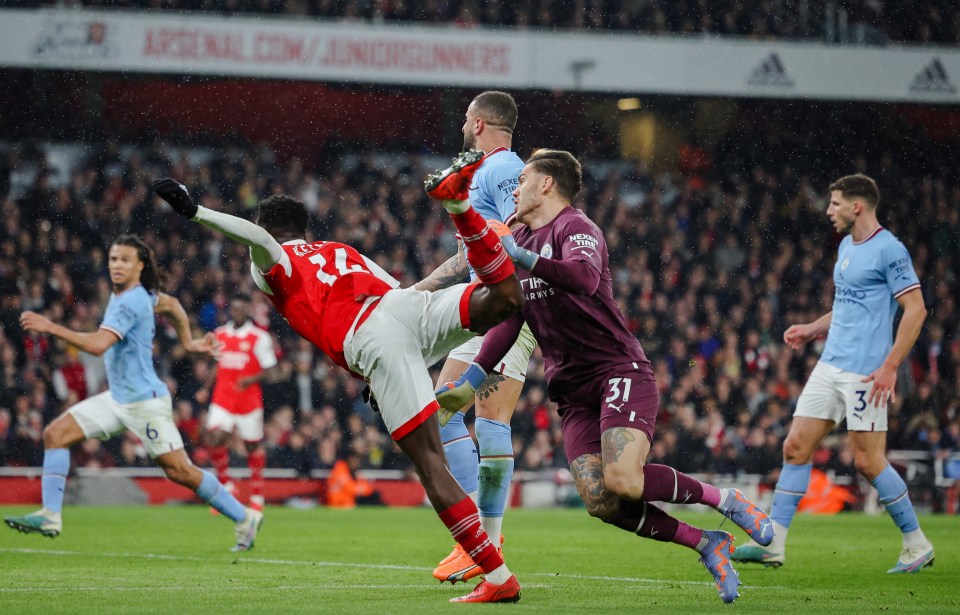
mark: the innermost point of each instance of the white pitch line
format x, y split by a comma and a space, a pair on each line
283, 562
219, 587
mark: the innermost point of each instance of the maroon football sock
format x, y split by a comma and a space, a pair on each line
648, 521
664, 484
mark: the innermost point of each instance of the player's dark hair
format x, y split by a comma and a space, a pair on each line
242, 297
563, 167
283, 214
858, 186
151, 278
497, 109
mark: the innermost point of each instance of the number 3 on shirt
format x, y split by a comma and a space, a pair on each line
339, 263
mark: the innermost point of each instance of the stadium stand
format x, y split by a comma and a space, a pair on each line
707, 260
846, 21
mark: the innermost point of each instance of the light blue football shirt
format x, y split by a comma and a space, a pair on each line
491, 191
130, 372
868, 278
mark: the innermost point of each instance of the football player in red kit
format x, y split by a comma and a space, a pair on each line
247, 358
351, 309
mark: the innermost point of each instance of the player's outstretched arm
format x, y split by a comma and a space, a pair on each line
171, 308
95, 343
265, 251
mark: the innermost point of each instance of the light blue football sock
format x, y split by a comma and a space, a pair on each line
790, 489
461, 453
894, 496
496, 472
213, 493
56, 466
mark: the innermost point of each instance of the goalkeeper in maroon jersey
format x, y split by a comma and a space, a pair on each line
598, 374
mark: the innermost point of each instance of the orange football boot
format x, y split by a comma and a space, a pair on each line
459, 566
488, 592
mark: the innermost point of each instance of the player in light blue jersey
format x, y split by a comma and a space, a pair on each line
856, 376
136, 399
488, 126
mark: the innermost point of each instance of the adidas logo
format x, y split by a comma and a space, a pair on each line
933, 78
771, 72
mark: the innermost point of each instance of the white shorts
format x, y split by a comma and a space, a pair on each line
406, 332
514, 364
101, 417
248, 426
832, 394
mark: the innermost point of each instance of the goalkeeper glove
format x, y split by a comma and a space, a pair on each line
521, 256
175, 193
453, 396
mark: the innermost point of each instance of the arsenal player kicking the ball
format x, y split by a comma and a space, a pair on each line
350, 308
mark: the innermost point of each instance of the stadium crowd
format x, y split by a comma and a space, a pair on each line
857, 21
711, 263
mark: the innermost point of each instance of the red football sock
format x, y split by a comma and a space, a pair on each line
485, 253
463, 521
221, 462
256, 461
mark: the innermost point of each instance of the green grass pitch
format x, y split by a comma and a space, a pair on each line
378, 560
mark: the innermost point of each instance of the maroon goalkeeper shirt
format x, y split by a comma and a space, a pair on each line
570, 310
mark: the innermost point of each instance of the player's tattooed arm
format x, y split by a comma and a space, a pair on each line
613, 442
587, 473
490, 385
452, 271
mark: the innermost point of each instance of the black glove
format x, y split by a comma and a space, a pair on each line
175, 193
368, 397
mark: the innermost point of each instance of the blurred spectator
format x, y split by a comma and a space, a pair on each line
848, 21
710, 273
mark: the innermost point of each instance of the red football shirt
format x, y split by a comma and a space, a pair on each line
245, 351
321, 289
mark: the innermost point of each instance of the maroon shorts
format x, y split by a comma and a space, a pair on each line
626, 398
